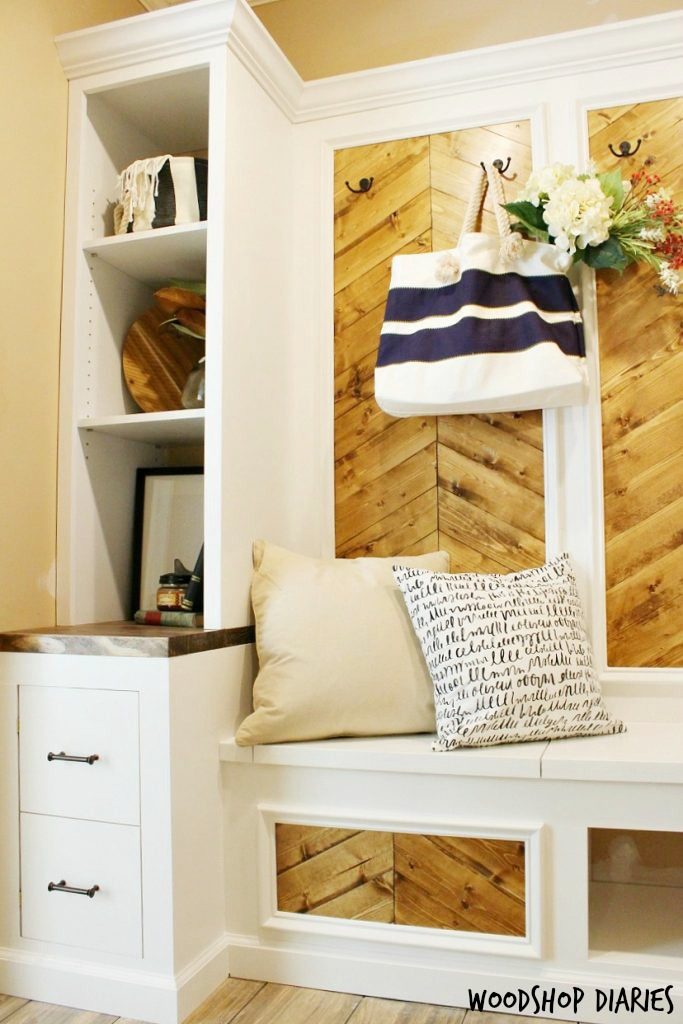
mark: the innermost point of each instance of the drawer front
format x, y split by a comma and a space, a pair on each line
80, 723
81, 854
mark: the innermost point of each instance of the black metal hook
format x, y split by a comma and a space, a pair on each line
625, 149
499, 165
364, 185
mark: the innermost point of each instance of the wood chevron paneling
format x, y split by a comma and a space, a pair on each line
385, 470
334, 872
478, 492
641, 367
456, 882
460, 883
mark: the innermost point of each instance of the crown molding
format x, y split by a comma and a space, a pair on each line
656, 37
205, 23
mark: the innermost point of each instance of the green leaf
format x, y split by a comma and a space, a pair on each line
607, 255
528, 214
612, 185
188, 331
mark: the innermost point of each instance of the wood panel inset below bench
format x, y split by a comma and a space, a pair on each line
459, 883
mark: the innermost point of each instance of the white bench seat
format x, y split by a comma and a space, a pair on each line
650, 751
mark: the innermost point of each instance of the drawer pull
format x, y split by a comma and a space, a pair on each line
63, 887
61, 756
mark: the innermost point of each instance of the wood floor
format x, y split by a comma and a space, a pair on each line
253, 1002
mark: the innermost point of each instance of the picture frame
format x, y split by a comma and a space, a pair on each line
168, 523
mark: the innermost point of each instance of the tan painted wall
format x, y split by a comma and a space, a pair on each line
33, 106
331, 37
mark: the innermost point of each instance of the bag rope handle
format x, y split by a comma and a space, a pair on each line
510, 241
448, 267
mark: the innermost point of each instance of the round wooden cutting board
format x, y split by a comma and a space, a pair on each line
157, 361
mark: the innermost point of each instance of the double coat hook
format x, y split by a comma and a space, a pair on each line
364, 185
625, 149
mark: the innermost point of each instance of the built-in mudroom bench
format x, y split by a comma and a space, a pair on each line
144, 854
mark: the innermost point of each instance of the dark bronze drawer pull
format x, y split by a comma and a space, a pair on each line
61, 756
63, 887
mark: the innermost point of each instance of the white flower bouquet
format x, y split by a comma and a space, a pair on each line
602, 220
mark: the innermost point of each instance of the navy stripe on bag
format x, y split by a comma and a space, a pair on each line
473, 336
551, 293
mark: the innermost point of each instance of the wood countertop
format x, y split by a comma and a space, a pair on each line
123, 639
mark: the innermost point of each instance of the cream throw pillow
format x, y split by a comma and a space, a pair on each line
337, 652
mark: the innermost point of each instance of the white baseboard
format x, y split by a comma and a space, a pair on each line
443, 985
141, 995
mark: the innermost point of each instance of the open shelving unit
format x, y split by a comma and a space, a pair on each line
109, 283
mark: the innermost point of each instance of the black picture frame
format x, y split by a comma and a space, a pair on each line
144, 491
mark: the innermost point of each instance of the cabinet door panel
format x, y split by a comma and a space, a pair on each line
641, 367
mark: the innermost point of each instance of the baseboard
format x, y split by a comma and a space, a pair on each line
408, 980
141, 995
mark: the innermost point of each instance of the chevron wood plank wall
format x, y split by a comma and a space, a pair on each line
641, 366
470, 484
461, 883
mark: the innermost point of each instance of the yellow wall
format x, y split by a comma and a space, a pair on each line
331, 37
33, 101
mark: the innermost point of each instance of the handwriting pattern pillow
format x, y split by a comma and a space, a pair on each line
508, 655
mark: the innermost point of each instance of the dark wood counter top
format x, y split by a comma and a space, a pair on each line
123, 639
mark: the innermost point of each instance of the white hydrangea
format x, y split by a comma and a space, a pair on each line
544, 182
578, 214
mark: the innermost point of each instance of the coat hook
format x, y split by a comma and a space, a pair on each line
499, 165
364, 185
625, 149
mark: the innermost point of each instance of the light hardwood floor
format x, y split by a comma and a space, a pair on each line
253, 1002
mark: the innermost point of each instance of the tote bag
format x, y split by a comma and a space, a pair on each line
490, 326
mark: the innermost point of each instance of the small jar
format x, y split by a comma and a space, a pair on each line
172, 590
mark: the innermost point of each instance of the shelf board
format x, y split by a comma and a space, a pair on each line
154, 257
182, 426
644, 920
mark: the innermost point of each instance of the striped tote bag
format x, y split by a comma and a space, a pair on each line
490, 326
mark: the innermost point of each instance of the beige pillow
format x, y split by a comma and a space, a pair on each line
337, 651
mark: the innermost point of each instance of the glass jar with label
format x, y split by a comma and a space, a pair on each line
172, 590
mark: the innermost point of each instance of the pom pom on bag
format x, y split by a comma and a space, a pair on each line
490, 326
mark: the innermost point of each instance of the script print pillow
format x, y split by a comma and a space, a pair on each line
508, 655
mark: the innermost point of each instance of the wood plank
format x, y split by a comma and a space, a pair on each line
283, 1004
509, 454
460, 883
223, 1005
400, 180
486, 488
48, 1013
488, 534
644, 543
396, 532
381, 454
398, 229
325, 881
387, 494
391, 1011
9, 1005
370, 289
295, 844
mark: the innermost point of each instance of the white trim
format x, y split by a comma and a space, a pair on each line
182, 30
640, 40
401, 936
